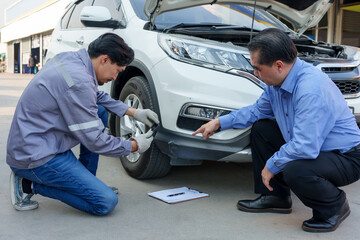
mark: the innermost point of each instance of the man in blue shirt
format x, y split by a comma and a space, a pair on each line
60, 108
304, 137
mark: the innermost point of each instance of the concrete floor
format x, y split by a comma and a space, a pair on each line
138, 216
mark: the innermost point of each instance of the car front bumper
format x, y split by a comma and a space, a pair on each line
182, 148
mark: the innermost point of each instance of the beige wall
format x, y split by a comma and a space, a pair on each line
25, 52
10, 60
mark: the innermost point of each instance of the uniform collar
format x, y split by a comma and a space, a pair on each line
85, 58
290, 81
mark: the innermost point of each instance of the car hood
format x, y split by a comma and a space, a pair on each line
302, 14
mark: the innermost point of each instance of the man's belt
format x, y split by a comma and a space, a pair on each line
354, 149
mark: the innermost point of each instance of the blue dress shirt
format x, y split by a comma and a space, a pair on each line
311, 112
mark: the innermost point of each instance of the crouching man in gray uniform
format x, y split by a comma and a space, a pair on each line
60, 108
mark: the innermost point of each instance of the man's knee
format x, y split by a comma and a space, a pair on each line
266, 134
260, 125
264, 126
105, 204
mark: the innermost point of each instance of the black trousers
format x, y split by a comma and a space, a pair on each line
314, 181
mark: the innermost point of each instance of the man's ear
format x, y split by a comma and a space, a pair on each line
279, 66
104, 58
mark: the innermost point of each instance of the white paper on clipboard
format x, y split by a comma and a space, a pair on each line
177, 195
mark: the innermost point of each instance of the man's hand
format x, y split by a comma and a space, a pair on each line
266, 177
146, 116
208, 129
143, 141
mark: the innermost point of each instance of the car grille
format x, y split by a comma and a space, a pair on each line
348, 87
337, 69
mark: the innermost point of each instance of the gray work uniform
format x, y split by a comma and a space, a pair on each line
58, 110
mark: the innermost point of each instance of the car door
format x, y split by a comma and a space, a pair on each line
88, 34
71, 34
74, 35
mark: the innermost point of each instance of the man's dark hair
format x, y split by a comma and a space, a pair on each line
114, 46
273, 44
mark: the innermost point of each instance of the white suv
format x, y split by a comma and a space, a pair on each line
192, 65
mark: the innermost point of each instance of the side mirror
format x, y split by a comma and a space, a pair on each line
98, 16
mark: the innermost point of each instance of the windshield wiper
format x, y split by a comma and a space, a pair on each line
210, 26
194, 25
235, 27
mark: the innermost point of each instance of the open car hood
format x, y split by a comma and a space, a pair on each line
302, 14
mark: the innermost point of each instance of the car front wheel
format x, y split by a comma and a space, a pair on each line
152, 163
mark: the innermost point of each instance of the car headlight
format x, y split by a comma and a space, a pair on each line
204, 53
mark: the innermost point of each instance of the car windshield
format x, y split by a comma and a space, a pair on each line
227, 14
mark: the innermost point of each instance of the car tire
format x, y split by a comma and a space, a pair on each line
152, 163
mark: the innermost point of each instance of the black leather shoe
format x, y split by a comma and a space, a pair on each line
266, 203
327, 225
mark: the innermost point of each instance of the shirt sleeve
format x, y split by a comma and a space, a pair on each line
114, 106
79, 109
246, 116
312, 123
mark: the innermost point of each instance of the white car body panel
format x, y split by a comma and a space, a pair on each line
179, 84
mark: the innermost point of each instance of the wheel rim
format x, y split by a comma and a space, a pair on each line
129, 127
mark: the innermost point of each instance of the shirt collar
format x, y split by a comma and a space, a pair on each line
85, 58
290, 81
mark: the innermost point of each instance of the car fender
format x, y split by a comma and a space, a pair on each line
135, 68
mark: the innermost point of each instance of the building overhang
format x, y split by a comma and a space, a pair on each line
42, 20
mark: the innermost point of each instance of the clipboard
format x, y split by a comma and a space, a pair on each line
177, 195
